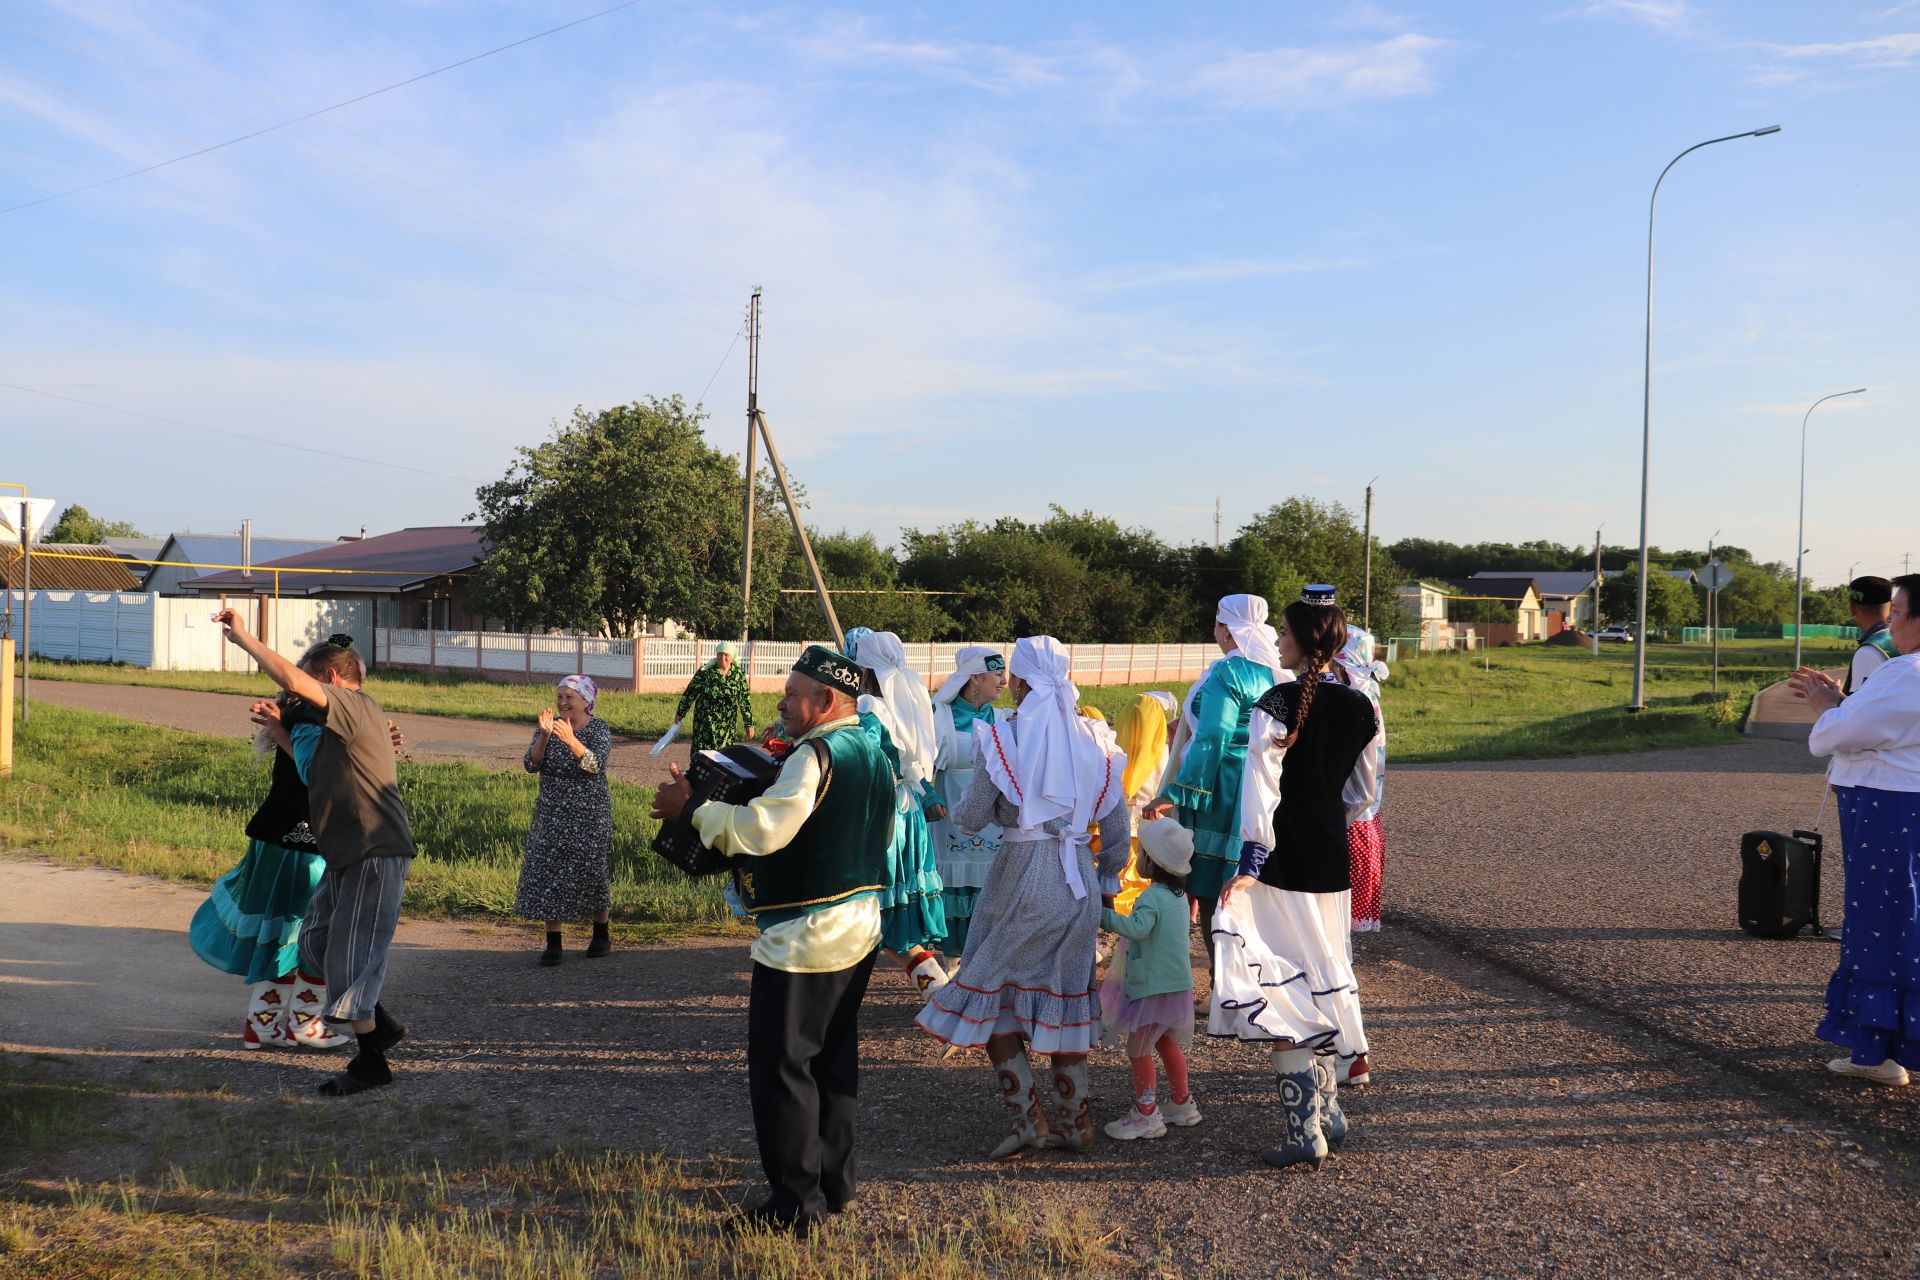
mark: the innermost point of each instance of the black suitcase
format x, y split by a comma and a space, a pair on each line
1780, 883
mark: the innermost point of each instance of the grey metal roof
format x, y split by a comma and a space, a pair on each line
1553, 582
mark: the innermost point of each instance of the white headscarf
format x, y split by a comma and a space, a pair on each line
1356, 660
1246, 618
903, 706
967, 663
1064, 764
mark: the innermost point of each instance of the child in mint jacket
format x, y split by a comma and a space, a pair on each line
1147, 999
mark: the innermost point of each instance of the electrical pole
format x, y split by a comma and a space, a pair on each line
1596, 591
1366, 576
1713, 599
1216, 524
753, 465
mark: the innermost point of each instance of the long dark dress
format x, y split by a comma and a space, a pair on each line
564, 875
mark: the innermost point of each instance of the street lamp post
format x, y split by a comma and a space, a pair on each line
1646, 421
1800, 538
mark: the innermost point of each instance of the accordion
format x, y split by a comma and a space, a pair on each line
732, 775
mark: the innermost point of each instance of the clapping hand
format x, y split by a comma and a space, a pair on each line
1817, 689
562, 728
546, 720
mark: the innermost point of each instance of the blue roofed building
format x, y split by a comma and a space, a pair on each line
182, 551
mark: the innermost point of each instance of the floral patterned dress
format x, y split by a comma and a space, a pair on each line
565, 875
722, 707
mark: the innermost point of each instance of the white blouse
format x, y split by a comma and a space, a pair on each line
1874, 736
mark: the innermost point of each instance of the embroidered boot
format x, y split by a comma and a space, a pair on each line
1304, 1143
267, 1014
1072, 1107
1333, 1121
309, 1029
925, 971
1022, 1097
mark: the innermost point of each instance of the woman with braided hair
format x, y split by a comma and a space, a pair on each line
1282, 973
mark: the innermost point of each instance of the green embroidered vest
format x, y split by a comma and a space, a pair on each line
840, 852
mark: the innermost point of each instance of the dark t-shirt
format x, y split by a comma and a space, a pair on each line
353, 792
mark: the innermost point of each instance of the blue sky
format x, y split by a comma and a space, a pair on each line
1116, 257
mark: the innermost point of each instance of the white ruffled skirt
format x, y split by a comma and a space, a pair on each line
1282, 971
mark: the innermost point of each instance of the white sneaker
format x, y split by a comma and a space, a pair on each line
1185, 1114
1887, 1072
1134, 1125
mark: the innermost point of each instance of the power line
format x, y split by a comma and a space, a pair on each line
272, 128
702, 399
237, 435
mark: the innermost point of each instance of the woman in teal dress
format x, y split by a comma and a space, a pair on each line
1205, 793
897, 714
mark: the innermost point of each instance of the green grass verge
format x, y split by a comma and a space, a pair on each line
640, 715
97, 789
1519, 702
203, 1183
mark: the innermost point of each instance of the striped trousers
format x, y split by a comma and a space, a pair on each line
349, 930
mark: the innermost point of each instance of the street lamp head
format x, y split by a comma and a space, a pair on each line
1857, 391
1761, 133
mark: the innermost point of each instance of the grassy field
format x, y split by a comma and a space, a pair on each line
97, 789
188, 1180
1519, 702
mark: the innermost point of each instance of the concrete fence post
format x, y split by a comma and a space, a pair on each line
640, 661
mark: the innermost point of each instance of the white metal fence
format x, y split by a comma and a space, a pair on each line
655, 664
177, 633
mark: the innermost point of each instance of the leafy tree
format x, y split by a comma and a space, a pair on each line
1670, 602
1306, 540
1826, 607
865, 579
1757, 593
77, 524
626, 515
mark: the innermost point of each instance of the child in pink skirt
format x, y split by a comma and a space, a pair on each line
1147, 999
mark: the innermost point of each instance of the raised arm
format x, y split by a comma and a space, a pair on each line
278, 669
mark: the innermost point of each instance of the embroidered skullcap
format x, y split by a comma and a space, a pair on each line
835, 670
1870, 591
584, 686
1318, 594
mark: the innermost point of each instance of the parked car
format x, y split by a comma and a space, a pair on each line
1623, 635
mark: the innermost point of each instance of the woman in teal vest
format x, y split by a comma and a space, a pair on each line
1205, 793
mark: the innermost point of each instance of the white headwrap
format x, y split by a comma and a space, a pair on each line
1061, 766
903, 708
967, 663
1356, 660
1246, 618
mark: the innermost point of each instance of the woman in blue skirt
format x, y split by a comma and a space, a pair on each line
1873, 735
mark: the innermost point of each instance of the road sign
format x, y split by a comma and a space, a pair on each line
32, 512
1715, 576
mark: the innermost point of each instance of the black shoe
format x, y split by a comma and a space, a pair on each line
550, 957
600, 945
764, 1217
387, 1031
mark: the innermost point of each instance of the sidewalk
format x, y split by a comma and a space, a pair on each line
1778, 714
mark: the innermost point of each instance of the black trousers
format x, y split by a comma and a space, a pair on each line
803, 1071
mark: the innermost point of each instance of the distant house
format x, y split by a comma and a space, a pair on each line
53, 570
134, 550
1568, 593
1426, 603
182, 551
1516, 592
415, 577
1687, 576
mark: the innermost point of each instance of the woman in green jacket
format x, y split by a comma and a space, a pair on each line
722, 706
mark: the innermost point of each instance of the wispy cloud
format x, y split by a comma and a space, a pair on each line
1801, 63
1661, 15
1160, 275
1307, 78
992, 68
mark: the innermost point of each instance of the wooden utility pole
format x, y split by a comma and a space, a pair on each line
1596, 591
800, 532
1366, 576
753, 463
1216, 524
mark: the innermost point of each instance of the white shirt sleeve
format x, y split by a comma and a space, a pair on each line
1260, 781
1866, 661
1362, 789
1880, 717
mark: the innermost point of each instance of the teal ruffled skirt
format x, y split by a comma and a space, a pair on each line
912, 912
249, 925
